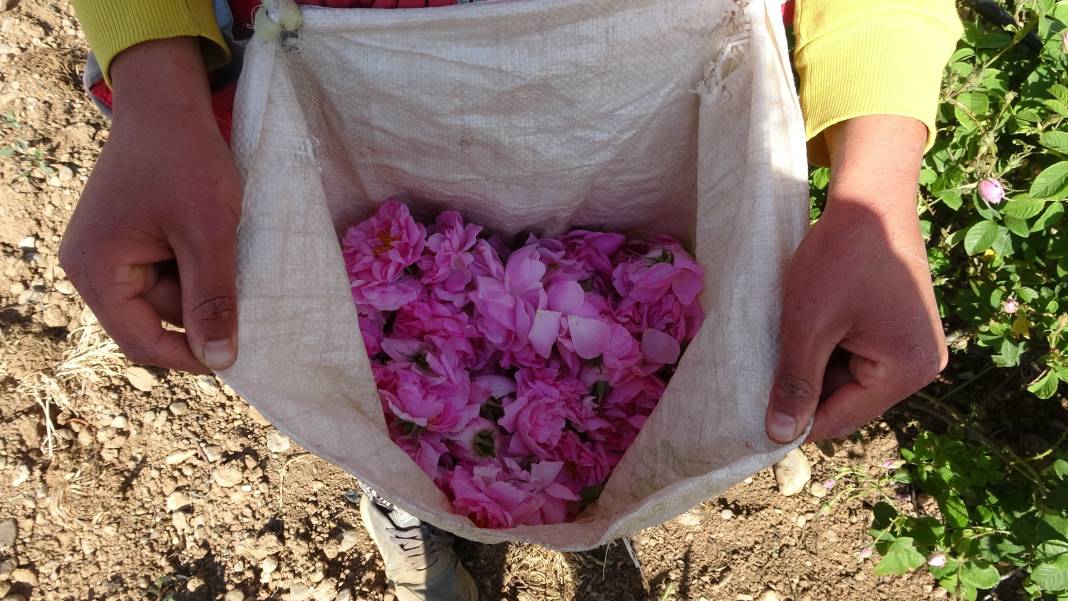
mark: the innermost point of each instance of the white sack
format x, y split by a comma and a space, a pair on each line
658, 116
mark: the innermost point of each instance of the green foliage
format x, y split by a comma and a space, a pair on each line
1000, 515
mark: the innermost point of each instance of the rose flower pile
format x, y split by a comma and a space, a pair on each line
516, 379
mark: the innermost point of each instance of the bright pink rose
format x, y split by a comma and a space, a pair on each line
506, 305
484, 494
371, 324
425, 449
447, 264
378, 251
436, 397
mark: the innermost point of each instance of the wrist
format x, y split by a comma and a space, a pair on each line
161, 78
875, 164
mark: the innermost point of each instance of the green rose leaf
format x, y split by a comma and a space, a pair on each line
1052, 182
1052, 576
980, 237
980, 574
900, 558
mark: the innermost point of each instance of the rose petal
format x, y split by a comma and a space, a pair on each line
659, 347
589, 336
566, 296
544, 331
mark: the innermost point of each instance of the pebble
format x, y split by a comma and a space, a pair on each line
54, 317
177, 500
226, 477
6, 568
344, 595
234, 595
179, 457
13, 597
349, 538
28, 243
267, 567
140, 378
22, 474
119, 422
298, 592
277, 442
689, 519
792, 473
726, 514
818, 490
208, 384
769, 595
64, 287
25, 576
9, 532
326, 591
179, 408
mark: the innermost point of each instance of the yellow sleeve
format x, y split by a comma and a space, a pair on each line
112, 26
871, 57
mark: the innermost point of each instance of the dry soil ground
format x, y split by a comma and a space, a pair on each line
118, 482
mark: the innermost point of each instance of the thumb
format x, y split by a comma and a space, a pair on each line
804, 352
209, 301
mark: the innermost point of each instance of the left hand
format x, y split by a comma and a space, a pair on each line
860, 329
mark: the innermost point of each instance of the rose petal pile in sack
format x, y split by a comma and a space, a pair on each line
516, 379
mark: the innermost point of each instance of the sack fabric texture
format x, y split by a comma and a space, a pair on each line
638, 116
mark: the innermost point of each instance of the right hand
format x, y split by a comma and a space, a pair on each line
153, 237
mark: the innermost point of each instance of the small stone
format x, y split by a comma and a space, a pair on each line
17, 288
179, 456
818, 490
177, 500
349, 538
298, 592
28, 243
180, 521
267, 567
226, 477
208, 385
689, 519
234, 595
277, 442
24, 576
792, 473
13, 597
726, 514
64, 287
344, 595
769, 595
119, 422
6, 568
21, 475
179, 408
64, 173
54, 317
9, 532
140, 378
326, 590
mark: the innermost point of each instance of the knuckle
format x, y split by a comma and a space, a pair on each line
138, 353
793, 392
218, 309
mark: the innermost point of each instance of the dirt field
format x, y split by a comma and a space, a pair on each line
118, 482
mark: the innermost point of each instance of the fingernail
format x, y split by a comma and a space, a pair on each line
782, 427
219, 354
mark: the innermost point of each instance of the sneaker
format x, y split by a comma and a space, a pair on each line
421, 562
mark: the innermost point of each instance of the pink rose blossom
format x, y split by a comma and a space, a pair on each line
447, 265
378, 251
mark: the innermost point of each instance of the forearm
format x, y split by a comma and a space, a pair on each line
161, 79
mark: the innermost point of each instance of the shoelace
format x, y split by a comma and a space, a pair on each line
423, 542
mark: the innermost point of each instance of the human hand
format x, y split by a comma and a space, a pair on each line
860, 329
152, 238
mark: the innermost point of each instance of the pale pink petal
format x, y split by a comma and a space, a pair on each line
658, 347
544, 331
589, 336
566, 296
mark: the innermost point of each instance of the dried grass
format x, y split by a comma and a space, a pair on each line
90, 357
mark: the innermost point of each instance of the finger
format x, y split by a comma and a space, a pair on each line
209, 298
165, 295
873, 390
132, 322
804, 351
837, 374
